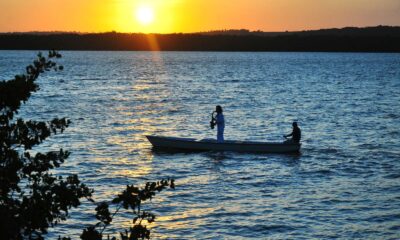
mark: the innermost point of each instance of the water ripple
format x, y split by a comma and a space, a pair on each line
344, 184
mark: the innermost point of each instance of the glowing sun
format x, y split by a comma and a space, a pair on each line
145, 15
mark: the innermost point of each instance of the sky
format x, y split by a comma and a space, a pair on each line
171, 16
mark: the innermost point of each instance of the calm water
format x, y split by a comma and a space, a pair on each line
345, 184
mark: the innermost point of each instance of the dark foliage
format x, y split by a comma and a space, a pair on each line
31, 198
370, 39
131, 200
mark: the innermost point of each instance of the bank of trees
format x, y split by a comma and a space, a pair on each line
32, 199
370, 39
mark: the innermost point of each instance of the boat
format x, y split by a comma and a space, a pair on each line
192, 144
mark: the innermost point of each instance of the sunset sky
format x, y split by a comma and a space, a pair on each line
167, 16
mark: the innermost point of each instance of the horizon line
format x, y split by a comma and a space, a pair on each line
200, 32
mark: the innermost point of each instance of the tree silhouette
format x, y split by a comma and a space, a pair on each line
368, 39
31, 198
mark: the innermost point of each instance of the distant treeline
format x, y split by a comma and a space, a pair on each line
371, 39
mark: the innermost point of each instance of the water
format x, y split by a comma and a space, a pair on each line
344, 184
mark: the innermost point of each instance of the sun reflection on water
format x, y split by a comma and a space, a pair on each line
185, 219
343, 179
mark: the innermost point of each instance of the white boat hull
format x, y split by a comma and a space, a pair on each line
191, 144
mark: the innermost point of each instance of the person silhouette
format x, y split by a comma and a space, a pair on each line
219, 120
296, 134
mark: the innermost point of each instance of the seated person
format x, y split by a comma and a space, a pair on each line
296, 134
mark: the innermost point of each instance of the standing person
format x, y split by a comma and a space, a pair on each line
296, 133
219, 120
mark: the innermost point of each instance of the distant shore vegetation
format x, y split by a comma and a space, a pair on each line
349, 39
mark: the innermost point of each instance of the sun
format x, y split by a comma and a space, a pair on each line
145, 15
